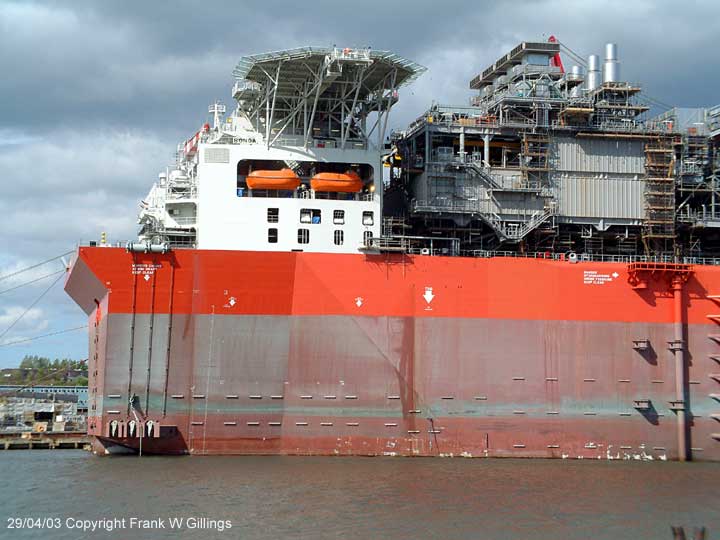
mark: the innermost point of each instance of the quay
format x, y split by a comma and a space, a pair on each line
44, 441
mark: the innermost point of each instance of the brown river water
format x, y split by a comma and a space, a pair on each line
63, 494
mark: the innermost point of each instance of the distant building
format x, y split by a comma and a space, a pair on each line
41, 409
49, 393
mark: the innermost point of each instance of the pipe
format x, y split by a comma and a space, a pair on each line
147, 247
486, 150
679, 351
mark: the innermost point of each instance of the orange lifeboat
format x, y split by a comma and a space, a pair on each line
347, 182
282, 179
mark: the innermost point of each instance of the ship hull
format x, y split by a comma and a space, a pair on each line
206, 352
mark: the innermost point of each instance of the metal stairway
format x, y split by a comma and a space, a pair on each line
514, 232
292, 164
481, 172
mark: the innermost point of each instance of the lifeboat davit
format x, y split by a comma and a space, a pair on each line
347, 182
282, 179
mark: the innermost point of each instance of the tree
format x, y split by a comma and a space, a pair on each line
35, 362
27, 362
42, 370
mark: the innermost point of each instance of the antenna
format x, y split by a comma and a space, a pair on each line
216, 109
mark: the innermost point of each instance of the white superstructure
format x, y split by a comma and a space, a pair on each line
310, 112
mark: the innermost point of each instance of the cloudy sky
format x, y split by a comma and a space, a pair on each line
95, 96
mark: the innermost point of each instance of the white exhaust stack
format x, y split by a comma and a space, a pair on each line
577, 74
593, 74
611, 67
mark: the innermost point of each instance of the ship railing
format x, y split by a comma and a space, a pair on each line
479, 206
184, 220
432, 246
245, 87
408, 245
591, 257
444, 115
185, 242
298, 141
290, 140
414, 245
704, 216
312, 194
362, 55
187, 192
451, 205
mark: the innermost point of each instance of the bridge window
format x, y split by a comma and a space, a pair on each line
308, 215
367, 235
368, 218
272, 236
339, 217
303, 236
273, 215
339, 237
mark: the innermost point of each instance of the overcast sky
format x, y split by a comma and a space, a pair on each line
95, 96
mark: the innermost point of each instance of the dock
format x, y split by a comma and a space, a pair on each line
44, 441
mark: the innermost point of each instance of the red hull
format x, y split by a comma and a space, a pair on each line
299, 353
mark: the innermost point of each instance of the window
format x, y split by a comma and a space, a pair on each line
367, 235
308, 215
303, 236
339, 237
339, 217
272, 236
273, 215
368, 218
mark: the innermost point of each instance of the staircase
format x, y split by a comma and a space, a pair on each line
514, 232
292, 164
481, 172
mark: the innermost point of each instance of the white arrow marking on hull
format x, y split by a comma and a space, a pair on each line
428, 296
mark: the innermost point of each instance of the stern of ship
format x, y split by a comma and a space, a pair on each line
119, 421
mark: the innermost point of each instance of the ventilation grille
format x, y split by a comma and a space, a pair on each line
217, 155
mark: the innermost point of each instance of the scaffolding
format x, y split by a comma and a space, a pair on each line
697, 183
694, 161
659, 225
614, 106
534, 162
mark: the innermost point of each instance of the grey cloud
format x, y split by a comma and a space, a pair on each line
150, 64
